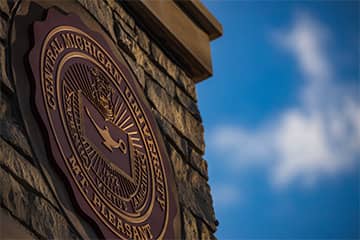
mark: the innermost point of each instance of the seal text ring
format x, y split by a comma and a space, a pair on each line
103, 135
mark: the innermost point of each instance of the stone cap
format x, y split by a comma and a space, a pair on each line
183, 29
202, 17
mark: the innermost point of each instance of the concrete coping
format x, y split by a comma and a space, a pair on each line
183, 29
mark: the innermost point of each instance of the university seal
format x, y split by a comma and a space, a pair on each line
101, 131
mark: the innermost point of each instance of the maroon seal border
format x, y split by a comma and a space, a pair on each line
53, 19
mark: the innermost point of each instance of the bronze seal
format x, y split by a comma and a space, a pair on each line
101, 131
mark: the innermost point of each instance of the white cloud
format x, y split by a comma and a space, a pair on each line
320, 137
226, 195
241, 147
306, 41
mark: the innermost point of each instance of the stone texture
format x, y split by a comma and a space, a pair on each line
174, 72
139, 72
3, 29
11, 130
198, 163
182, 120
164, 61
123, 39
11, 228
190, 226
102, 13
194, 130
3, 76
143, 40
129, 30
136, 43
26, 172
188, 103
187, 84
121, 12
194, 190
14, 134
164, 81
153, 71
171, 134
172, 95
4, 7
36, 213
205, 233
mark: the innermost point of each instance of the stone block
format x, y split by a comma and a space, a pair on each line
122, 38
4, 7
125, 27
198, 163
102, 13
171, 134
187, 84
22, 169
138, 51
11, 228
173, 70
14, 134
35, 212
138, 71
11, 130
194, 191
188, 103
181, 119
158, 55
143, 40
3, 29
3, 75
165, 82
205, 233
122, 13
143, 48
153, 71
194, 131
165, 105
190, 226
201, 191
159, 77
140, 75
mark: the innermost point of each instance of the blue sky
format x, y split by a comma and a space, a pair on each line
282, 120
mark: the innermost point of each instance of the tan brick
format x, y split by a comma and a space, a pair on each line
121, 12
198, 163
3, 29
194, 191
138, 71
25, 171
122, 38
4, 7
190, 226
3, 75
13, 229
158, 55
143, 40
11, 128
205, 233
102, 12
187, 84
181, 119
35, 212
170, 133
189, 103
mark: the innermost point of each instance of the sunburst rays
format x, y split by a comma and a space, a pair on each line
77, 78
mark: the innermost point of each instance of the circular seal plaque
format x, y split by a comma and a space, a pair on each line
102, 134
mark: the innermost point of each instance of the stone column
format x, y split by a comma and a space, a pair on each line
167, 46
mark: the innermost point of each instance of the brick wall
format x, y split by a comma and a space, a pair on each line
27, 201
